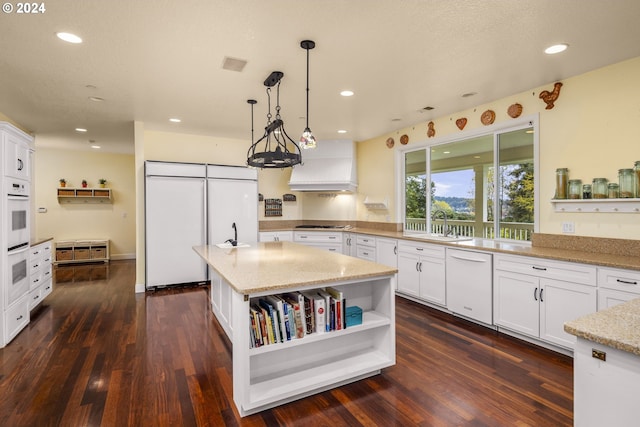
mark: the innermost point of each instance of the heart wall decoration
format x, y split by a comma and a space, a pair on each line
461, 123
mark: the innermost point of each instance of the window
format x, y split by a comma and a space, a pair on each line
484, 184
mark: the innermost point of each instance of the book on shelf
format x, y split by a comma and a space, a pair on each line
339, 299
327, 309
298, 318
274, 321
318, 315
280, 307
309, 316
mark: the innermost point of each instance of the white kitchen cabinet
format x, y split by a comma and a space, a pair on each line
40, 260
421, 271
328, 240
616, 286
387, 251
469, 286
605, 391
535, 297
276, 236
366, 247
16, 152
348, 243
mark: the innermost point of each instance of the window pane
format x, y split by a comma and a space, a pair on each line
516, 184
460, 180
415, 190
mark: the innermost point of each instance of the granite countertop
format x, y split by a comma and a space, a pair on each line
38, 240
587, 250
272, 266
617, 327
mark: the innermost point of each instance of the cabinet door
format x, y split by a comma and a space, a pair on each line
560, 302
408, 274
515, 302
387, 252
432, 280
16, 153
349, 244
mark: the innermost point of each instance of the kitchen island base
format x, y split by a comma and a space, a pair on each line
274, 374
271, 375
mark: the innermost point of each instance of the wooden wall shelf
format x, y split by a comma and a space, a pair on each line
84, 195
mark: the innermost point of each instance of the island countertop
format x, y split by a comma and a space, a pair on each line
617, 327
269, 266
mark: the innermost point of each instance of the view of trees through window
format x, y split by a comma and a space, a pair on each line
463, 184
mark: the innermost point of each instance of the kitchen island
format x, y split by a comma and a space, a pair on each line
271, 375
607, 366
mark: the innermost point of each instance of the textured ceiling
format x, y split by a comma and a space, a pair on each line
151, 60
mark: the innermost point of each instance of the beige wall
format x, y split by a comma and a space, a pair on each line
114, 221
592, 130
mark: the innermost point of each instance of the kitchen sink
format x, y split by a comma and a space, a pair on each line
439, 237
227, 245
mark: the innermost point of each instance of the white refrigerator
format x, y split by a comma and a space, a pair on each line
232, 199
175, 221
189, 204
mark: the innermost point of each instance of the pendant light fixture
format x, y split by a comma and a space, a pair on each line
307, 140
276, 153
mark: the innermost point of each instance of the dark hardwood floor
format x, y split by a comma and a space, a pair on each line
98, 354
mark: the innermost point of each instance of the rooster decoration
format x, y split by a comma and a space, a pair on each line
550, 97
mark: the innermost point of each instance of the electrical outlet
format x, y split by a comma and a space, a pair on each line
568, 227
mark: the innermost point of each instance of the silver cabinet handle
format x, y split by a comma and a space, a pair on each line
468, 259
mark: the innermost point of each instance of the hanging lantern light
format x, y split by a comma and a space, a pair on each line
307, 140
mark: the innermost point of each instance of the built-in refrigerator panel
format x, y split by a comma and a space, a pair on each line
232, 198
175, 218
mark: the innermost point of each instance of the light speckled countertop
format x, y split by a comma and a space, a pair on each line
615, 253
617, 327
284, 265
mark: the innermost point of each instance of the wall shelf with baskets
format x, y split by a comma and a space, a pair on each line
84, 195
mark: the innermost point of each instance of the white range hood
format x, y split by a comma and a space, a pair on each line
331, 166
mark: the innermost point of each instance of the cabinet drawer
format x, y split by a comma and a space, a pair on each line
17, 317
319, 237
540, 267
620, 280
366, 252
424, 249
365, 240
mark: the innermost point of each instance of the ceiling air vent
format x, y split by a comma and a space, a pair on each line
233, 64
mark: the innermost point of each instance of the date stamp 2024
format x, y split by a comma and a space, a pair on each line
24, 8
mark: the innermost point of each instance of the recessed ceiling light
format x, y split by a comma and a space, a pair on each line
446, 152
468, 94
175, 120
476, 157
556, 48
427, 108
346, 93
81, 130
68, 37
95, 146
342, 131
396, 120
96, 98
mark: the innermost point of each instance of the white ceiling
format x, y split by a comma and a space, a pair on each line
151, 60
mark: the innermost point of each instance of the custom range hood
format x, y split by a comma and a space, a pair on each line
331, 166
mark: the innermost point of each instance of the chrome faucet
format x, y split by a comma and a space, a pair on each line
445, 228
